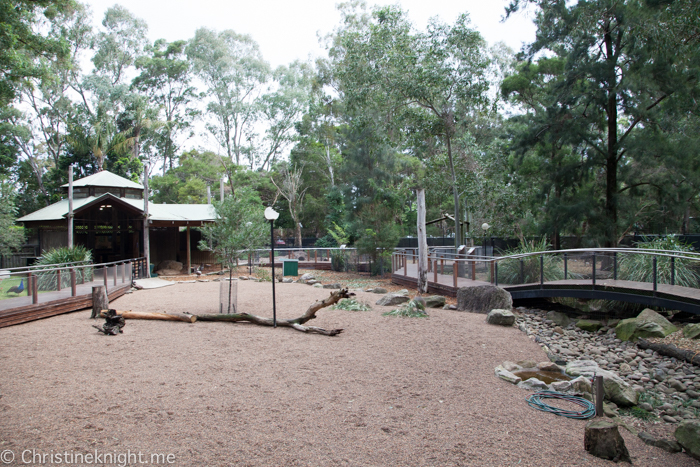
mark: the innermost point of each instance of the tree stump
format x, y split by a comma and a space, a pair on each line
99, 300
602, 439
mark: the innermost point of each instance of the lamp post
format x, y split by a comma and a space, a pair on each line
271, 215
485, 227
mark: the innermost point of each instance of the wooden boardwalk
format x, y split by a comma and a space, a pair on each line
665, 295
22, 309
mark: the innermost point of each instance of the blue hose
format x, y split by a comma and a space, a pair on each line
535, 401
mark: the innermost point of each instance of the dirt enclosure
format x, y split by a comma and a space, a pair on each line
386, 392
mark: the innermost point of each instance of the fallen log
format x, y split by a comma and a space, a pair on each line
186, 317
297, 323
670, 350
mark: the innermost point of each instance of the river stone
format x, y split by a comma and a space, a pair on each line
559, 318
589, 325
393, 299
483, 298
688, 435
527, 363
581, 384
507, 375
434, 301
307, 277
379, 290
500, 317
692, 331
616, 389
533, 384
331, 286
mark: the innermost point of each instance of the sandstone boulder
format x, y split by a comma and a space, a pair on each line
170, 265
692, 331
589, 325
559, 318
688, 435
507, 375
647, 324
500, 317
616, 389
483, 299
393, 299
434, 301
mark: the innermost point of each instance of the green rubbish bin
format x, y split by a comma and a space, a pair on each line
290, 267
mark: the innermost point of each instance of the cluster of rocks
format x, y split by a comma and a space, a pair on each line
671, 387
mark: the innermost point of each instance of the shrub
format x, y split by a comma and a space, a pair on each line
410, 309
350, 304
640, 267
526, 270
63, 255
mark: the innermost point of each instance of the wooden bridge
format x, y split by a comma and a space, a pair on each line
672, 279
61, 289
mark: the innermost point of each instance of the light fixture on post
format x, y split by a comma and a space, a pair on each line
271, 215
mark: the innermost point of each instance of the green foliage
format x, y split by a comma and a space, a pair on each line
264, 274
526, 270
64, 255
239, 229
410, 309
339, 258
11, 235
639, 413
639, 267
350, 304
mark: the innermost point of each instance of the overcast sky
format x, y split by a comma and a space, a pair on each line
287, 30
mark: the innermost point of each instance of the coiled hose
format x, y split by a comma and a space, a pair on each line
535, 401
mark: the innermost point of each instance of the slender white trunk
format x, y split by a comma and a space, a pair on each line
422, 244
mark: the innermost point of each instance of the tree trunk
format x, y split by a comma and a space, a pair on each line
422, 244
100, 301
671, 351
296, 323
602, 439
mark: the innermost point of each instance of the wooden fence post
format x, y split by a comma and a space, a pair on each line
73, 283
455, 273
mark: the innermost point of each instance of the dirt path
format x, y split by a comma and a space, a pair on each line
386, 392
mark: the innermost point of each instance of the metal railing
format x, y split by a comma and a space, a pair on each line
24, 286
656, 267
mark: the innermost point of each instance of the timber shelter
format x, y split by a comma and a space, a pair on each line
108, 218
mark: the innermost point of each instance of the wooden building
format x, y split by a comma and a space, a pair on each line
108, 218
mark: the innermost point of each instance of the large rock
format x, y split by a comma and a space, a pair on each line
632, 329
616, 389
688, 435
434, 301
652, 316
507, 375
483, 298
169, 265
692, 331
533, 384
393, 299
168, 272
500, 317
559, 318
307, 277
647, 324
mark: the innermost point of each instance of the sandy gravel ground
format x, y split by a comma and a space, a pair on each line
386, 392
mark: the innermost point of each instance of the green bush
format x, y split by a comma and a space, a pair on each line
410, 309
639, 267
527, 270
350, 304
63, 255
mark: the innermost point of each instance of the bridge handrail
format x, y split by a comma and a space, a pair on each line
644, 251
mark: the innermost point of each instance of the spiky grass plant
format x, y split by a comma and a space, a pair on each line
527, 269
63, 255
410, 309
640, 267
350, 304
